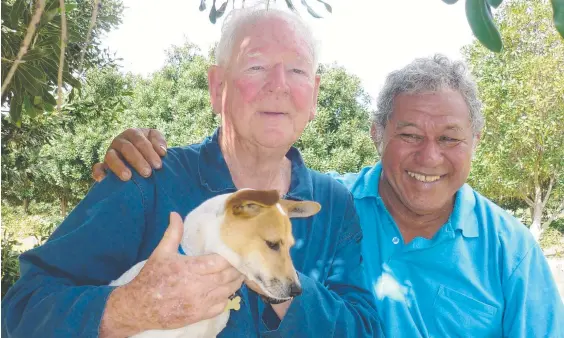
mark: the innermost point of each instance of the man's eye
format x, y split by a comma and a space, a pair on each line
448, 140
410, 137
256, 68
273, 245
298, 71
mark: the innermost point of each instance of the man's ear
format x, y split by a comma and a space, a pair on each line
301, 208
216, 82
249, 202
313, 111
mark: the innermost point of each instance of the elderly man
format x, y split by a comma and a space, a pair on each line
443, 260
265, 89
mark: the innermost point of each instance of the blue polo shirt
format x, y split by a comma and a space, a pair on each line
63, 288
481, 275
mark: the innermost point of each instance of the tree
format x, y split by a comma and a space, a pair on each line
31, 50
522, 148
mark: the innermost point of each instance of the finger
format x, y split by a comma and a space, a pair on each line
132, 155
140, 139
171, 238
209, 264
215, 309
158, 141
116, 165
225, 276
226, 290
99, 171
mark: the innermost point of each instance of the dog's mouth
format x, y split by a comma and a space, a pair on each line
271, 300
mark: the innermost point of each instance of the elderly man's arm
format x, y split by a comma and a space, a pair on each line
61, 290
342, 306
533, 306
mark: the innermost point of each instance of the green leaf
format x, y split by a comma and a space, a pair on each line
202, 5
31, 78
290, 5
327, 6
450, 2
481, 22
495, 3
213, 13
221, 10
558, 16
310, 10
16, 109
17, 12
70, 6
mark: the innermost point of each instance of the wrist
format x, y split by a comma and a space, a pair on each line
120, 318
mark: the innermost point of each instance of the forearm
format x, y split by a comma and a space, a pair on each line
319, 312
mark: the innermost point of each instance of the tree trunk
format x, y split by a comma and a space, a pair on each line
63, 206
26, 205
536, 214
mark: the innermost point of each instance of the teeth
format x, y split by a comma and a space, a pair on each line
423, 178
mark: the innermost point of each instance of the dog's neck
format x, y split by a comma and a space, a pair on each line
202, 229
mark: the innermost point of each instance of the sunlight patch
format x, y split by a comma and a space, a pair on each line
388, 286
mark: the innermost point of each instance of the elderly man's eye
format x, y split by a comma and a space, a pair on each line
299, 71
449, 140
256, 68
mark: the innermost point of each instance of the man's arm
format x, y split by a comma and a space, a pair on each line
341, 307
61, 290
533, 306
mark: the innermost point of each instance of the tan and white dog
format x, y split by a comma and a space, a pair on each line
251, 229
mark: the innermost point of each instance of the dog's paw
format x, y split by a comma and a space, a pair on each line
234, 304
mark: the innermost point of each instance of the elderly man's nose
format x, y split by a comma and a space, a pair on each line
277, 78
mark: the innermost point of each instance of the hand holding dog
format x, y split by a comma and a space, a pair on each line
171, 290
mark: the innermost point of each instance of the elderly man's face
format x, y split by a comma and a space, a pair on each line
428, 145
269, 91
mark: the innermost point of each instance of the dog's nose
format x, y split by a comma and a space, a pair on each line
295, 290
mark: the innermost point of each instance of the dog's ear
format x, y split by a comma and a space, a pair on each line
248, 202
301, 208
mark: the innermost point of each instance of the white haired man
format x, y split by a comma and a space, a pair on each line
443, 260
265, 88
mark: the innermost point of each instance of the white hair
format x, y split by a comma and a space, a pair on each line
239, 19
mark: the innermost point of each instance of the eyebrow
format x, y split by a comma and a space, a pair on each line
404, 124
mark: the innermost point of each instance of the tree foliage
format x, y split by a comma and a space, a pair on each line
521, 154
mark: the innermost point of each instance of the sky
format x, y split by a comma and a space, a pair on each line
370, 38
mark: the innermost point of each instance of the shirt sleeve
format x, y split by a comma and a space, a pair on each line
62, 290
533, 305
342, 306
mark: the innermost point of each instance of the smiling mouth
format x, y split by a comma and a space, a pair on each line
424, 178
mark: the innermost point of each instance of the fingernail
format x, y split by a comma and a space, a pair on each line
125, 175
146, 172
163, 148
157, 165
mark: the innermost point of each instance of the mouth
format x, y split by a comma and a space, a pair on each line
424, 178
273, 113
271, 300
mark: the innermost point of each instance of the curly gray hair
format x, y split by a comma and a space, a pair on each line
427, 75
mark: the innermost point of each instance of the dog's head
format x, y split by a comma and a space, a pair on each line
257, 228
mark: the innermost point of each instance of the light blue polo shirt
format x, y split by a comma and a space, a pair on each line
481, 275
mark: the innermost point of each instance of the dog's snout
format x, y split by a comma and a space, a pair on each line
295, 290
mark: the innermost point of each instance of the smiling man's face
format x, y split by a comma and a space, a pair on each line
268, 92
427, 150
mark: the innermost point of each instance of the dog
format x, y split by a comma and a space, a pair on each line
251, 229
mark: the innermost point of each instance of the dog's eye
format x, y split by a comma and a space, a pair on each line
273, 245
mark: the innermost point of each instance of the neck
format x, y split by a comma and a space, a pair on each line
254, 166
411, 223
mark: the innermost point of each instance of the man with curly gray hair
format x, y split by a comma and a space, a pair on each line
443, 260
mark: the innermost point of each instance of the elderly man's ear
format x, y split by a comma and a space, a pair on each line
315, 97
216, 80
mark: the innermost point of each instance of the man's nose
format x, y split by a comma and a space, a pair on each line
430, 154
295, 290
277, 78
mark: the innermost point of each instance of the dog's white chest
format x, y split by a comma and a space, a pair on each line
209, 328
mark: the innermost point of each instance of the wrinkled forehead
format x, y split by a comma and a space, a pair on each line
272, 37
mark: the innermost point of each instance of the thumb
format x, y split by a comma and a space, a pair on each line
172, 236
